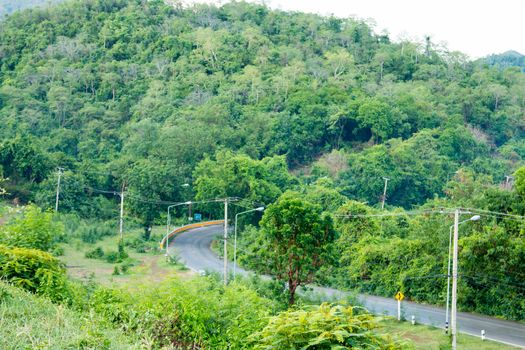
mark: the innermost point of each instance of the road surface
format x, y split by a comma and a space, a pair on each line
193, 247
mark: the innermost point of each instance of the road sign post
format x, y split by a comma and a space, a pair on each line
399, 296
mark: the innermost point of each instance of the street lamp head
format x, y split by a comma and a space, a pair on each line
475, 218
187, 203
185, 185
260, 209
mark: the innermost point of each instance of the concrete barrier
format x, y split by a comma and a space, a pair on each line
189, 227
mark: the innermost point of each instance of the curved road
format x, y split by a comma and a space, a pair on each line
193, 247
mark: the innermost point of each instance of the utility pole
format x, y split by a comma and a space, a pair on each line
384, 193
58, 188
448, 279
453, 313
225, 241
122, 213
473, 218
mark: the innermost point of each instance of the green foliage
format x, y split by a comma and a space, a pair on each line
416, 164
520, 181
147, 96
505, 60
201, 313
35, 271
95, 232
33, 228
295, 240
230, 175
496, 288
352, 226
382, 120
96, 253
33, 322
22, 159
322, 192
102, 92
323, 327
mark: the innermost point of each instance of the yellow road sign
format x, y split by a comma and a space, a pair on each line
399, 296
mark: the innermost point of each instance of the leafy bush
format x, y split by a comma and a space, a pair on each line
96, 253
112, 257
189, 314
124, 268
93, 233
58, 251
34, 270
322, 327
143, 246
33, 229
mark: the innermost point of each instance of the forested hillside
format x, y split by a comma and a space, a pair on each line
9, 6
143, 90
171, 104
506, 60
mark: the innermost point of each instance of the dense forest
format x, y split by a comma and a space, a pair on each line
506, 60
244, 101
7, 7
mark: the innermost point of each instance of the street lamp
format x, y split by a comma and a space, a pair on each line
235, 238
474, 218
168, 223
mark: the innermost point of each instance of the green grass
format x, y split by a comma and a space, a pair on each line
31, 322
150, 265
431, 338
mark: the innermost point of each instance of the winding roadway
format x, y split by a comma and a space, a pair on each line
193, 247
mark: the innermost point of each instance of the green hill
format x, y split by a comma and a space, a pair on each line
139, 92
506, 60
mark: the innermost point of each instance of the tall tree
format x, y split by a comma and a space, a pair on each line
295, 240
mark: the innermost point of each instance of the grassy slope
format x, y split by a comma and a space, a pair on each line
431, 338
149, 266
31, 322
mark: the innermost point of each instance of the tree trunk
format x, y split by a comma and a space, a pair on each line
292, 286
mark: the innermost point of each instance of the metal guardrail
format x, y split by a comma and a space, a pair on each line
189, 227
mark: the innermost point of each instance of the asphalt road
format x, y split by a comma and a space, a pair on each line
193, 247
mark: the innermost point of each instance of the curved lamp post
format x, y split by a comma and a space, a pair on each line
168, 223
235, 238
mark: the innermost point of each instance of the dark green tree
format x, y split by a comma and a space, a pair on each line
295, 239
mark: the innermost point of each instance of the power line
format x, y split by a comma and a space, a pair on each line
482, 212
404, 213
476, 280
479, 211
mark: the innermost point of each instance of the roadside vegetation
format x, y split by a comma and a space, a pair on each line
357, 146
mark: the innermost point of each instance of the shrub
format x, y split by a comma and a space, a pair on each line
199, 313
124, 268
58, 251
33, 229
34, 270
322, 327
121, 252
112, 257
95, 232
97, 253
